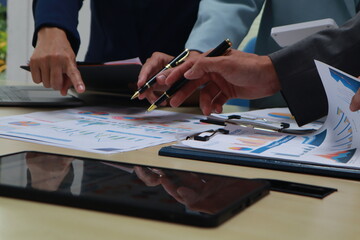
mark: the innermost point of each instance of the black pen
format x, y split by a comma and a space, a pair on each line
173, 63
218, 51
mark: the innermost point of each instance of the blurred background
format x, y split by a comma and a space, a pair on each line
3, 39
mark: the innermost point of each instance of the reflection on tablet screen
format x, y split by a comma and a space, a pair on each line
144, 191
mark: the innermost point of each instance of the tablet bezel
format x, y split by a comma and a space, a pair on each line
106, 205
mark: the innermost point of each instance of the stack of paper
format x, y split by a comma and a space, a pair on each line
102, 130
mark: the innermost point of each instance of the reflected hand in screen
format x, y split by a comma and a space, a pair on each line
198, 192
47, 173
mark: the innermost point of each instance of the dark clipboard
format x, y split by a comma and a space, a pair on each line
108, 78
274, 164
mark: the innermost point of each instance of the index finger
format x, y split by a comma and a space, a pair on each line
75, 77
152, 66
178, 72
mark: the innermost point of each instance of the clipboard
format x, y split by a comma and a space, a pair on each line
281, 165
113, 77
255, 161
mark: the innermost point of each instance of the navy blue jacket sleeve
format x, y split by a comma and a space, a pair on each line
300, 82
58, 13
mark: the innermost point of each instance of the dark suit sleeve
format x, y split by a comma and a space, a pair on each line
58, 13
300, 82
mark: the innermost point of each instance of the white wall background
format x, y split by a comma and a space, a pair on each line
20, 30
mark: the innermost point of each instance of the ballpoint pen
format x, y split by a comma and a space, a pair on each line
173, 63
257, 124
218, 51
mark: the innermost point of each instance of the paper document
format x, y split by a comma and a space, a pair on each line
102, 130
335, 143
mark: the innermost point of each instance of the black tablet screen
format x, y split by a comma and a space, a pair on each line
144, 191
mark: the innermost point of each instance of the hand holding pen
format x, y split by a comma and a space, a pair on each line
218, 51
173, 63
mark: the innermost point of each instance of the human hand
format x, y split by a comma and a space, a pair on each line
189, 189
355, 101
150, 176
198, 192
53, 62
151, 67
47, 173
236, 75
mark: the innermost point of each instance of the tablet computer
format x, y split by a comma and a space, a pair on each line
191, 198
36, 96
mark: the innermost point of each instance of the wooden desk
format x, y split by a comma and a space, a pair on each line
277, 216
